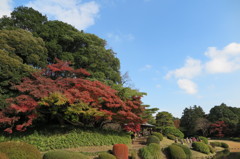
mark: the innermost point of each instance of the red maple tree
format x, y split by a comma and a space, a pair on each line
60, 92
218, 128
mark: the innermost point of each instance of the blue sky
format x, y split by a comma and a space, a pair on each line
181, 53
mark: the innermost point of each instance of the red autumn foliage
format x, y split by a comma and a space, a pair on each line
73, 85
177, 123
218, 128
120, 151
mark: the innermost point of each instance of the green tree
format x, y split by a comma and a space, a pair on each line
164, 119
189, 118
148, 114
23, 45
11, 71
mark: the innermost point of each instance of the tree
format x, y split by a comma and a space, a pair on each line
148, 114
60, 93
164, 119
218, 128
189, 118
23, 45
24, 18
224, 113
202, 124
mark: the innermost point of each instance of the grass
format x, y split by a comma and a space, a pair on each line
60, 138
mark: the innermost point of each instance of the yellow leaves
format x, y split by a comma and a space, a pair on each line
54, 99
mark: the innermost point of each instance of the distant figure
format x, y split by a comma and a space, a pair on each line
176, 140
181, 140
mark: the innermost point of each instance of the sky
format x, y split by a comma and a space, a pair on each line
181, 53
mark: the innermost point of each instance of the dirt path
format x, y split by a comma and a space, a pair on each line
234, 146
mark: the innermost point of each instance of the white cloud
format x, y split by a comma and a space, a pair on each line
119, 37
5, 7
188, 86
223, 61
191, 69
81, 15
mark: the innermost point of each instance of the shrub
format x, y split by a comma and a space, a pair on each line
106, 155
176, 152
151, 151
60, 154
224, 145
171, 137
204, 139
153, 139
212, 150
201, 147
159, 135
20, 150
216, 144
3, 156
120, 151
134, 154
186, 150
173, 131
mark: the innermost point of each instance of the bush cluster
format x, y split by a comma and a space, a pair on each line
219, 144
176, 152
153, 139
151, 151
106, 155
159, 135
173, 131
212, 150
185, 149
201, 147
19, 150
60, 154
171, 137
120, 151
204, 139
49, 139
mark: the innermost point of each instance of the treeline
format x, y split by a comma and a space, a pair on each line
50, 72
222, 121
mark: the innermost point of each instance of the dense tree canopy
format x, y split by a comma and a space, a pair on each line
189, 118
164, 119
60, 93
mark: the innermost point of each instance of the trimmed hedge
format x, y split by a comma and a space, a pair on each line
159, 135
185, 149
201, 147
153, 139
134, 154
219, 144
212, 150
152, 151
176, 152
106, 155
204, 139
120, 151
20, 150
60, 154
3, 156
171, 137
173, 131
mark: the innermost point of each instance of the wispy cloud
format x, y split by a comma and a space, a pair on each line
5, 7
226, 60
146, 67
79, 14
119, 37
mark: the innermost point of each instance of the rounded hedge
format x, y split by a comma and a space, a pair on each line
106, 155
3, 156
212, 150
204, 139
153, 139
171, 137
60, 154
151, 151
159, 135
176, 152
224, 145
201, 147
173, 131
20, 150
185, 149
216, 144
